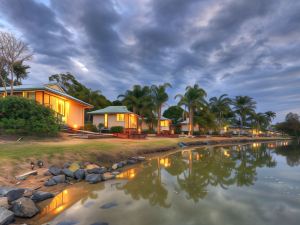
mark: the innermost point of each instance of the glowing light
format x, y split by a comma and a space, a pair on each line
226, 153
75, 126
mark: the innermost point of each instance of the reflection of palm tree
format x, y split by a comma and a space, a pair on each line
291, 152
147, 185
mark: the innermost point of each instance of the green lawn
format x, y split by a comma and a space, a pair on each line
23, 150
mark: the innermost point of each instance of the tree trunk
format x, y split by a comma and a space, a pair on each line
191, 121
158, 120
11, 81
4, 84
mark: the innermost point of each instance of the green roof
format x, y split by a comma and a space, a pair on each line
29, 87
112, 110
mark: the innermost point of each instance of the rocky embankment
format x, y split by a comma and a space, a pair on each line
22, 202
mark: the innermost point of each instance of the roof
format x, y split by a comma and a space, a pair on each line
164, 118
112, 110
45, 87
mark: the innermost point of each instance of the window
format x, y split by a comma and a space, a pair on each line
120, 117
105, 121
164, 123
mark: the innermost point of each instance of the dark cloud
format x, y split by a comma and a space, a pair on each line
239, 47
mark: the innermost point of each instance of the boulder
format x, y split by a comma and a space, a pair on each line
39, 196
50, 182
93, 178
68, 173
79, 174
74, 167
131, 161
24, 207
108, 176
91, 166
97, 170
6, 216
54, 170
59, 179
12, 194
115, 166
67, 165
115, 173
4, 203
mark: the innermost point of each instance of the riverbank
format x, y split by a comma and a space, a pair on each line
16, 157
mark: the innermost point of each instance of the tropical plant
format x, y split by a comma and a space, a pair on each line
20, 72
174, 113
159, 98
193, 98
221, 107
243, 106
138, 100
270, 116
258, 121
205, 119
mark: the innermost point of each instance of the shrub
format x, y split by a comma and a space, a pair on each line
117, 129
26, 117
100, 126
89, 126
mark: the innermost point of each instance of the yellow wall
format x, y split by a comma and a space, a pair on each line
112, 120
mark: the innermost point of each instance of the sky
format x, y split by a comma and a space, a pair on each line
237, 47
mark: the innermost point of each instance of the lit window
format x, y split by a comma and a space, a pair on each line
120, 117
164, 123
105, 121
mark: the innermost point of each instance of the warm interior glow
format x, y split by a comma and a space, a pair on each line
105, 121
120, 117
226, 153
75, 126
164, 123
129, 174
165, 162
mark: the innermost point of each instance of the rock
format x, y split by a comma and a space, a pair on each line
109, 205
74, 167
59, 179
93, 178
4, 203
39, 196
108, 176
141, 158
131, 161
40, 163
115, 173
121, 164
28, 193
25, 175
79, 174
12, 194
68, 173
54, 170
50, 182
47, 173
91, 166
24, 207
115, 166
97, 170
6, 216
67, 165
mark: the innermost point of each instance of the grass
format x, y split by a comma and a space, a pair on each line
20, 151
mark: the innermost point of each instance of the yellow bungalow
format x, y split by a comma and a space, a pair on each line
112, 116
68, 109
165, 124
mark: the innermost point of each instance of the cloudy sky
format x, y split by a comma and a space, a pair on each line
238, 47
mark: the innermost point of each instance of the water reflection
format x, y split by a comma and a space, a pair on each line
188, 177
197, 170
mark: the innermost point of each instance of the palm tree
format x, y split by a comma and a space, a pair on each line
159, 97
138, 100
270, 116
192, 99
221, 107
20, 72
258, 120
243, 106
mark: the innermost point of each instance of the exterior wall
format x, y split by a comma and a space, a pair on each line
185, 128
75, 117
112, 120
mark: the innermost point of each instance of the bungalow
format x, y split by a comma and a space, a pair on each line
165, 125
185, 126
68, 109
115, 116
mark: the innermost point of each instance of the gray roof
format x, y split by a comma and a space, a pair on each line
112, 110
44, 87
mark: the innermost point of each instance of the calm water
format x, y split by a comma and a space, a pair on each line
250, 184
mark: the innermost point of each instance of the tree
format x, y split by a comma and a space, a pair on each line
138, 100
13, 50
74, 88
174, 113
270, 116
20, 72
159, 98
221, 107
243, 106
205, 118
291, 125
259, 121
193, 98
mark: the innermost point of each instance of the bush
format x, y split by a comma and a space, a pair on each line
89, 126
117, 129
26, 117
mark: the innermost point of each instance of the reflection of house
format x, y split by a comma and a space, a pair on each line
238, 130
112, 116
68, 109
